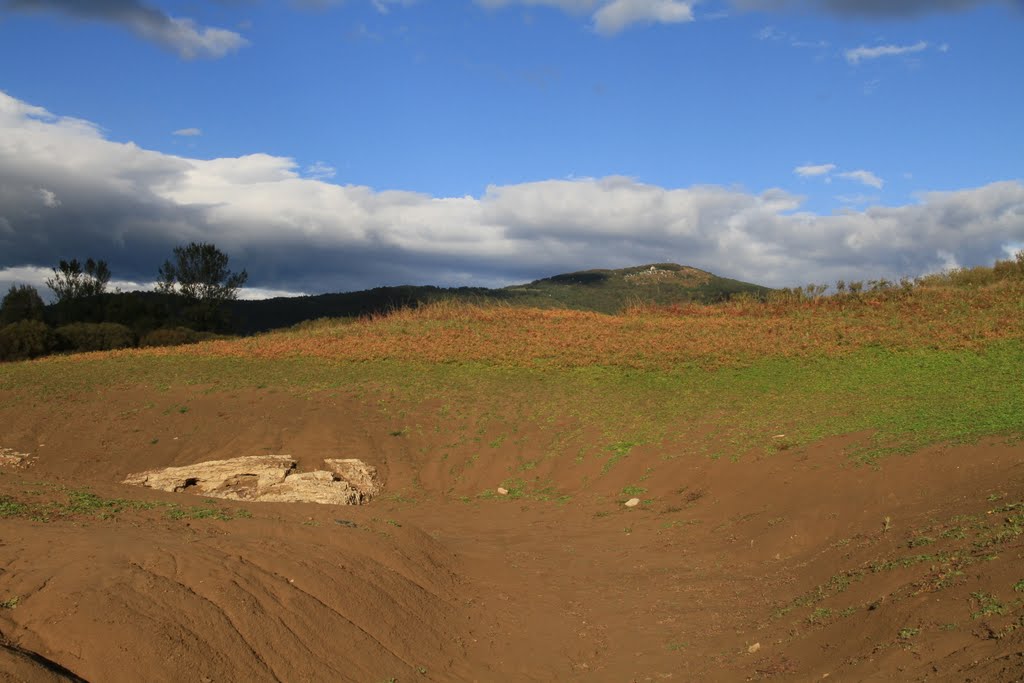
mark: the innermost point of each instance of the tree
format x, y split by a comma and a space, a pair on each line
22, 302
71, 281
200, 273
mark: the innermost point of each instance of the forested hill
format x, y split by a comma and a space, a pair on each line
606, 291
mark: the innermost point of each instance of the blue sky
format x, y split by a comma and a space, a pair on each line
337, 145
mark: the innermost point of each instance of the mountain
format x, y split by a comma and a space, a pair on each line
605, 291
609, 291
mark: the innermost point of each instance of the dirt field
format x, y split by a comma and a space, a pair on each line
795, 566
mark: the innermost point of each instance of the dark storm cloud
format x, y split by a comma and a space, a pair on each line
872, 8
179, 34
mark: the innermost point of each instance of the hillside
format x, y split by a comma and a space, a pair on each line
609, 291
600, 290
794, 489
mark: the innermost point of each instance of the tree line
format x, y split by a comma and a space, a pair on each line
186, 306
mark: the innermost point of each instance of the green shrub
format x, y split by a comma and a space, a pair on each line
95, 336
21, 303
175, 336
26, 339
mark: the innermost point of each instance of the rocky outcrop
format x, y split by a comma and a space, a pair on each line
267, 478
313, 487
361, 476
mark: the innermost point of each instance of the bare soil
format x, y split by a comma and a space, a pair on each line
795, 566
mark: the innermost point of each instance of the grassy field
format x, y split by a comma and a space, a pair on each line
763, 439
911, 365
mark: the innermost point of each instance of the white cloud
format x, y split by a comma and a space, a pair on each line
814, 170
181, 34
612, 16
321, 171
858, 54
257, 293
865, 177
49, 198
814, 44
616, 15
947, 260
36, 276
190, 40
384, 6
572, 6
188, 132
33, 276
131, 206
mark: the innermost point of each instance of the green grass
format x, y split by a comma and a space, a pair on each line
988, 605
11, 508
906, 399
78, 503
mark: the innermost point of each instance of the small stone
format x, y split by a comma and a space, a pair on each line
502, 491
632, 502
754, 648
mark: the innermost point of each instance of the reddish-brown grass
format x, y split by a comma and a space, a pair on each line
935, 316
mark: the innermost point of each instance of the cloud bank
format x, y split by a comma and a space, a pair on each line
609, 17
66, 191
179, 34
870, 8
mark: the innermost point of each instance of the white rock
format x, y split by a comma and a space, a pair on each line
632, 502
256, 472
754, 648
502, 492
267, 478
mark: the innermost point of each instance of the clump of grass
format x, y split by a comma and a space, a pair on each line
820, 615
988, 605
207, 512
11, 508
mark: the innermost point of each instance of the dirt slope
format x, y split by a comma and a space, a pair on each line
431, 581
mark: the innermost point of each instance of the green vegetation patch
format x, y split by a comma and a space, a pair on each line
71, 504
905, 399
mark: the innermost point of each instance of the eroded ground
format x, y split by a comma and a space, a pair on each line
791, 566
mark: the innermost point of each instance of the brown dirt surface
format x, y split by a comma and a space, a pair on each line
908, 571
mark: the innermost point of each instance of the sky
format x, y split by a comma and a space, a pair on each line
334, 145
